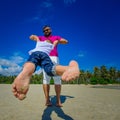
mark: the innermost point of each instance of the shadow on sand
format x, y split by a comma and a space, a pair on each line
58, 110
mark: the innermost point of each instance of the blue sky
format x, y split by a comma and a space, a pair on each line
92, 28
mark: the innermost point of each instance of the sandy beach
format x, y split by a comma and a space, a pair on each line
80, 102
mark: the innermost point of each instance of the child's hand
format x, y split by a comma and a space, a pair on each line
34, 37
31, 37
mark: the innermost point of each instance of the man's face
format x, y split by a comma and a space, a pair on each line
47, 31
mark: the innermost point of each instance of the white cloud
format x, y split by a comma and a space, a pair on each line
7, 63
17, 59
81, 54
43, 13
10, 71
45, 10
11, 66
47, 4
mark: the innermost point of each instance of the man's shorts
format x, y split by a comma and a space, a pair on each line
46, 78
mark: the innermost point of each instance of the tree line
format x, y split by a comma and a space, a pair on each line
100, 75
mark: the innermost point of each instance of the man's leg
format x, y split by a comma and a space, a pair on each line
46, 88
57, 85
57, 82
58, 92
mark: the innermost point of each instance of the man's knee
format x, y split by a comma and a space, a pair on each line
46, 81
57, 80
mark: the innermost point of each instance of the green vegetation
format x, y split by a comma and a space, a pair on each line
100, 75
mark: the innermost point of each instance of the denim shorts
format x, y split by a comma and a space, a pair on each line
43, 60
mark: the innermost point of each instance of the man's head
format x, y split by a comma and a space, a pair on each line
47, 30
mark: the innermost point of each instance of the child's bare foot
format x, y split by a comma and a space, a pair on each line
20, 87
72, 72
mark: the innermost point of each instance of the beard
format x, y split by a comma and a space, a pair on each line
47, 34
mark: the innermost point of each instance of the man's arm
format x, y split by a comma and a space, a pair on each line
55, 42
34, 37
63, 41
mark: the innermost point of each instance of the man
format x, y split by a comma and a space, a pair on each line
54, 57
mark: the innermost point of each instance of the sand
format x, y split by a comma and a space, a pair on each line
80, 102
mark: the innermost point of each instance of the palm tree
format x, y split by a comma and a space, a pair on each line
118, 76
96, 72
112, 72
88, 75
103, 71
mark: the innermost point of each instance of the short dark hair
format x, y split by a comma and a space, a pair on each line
45, 26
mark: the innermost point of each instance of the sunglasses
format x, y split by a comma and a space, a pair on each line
46, 30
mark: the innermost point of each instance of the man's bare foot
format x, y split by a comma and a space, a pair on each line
48, 103
72, 72
59, 105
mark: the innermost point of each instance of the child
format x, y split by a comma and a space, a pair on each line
39, 57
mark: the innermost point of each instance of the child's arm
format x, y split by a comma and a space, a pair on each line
34, 37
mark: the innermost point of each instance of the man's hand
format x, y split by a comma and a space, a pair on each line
63, 41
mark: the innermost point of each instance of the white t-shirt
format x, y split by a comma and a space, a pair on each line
42, 46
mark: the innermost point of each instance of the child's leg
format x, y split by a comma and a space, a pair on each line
68, 73
21, 83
